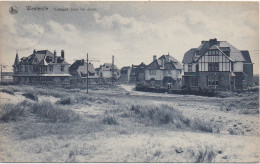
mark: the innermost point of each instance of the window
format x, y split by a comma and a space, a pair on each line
189, 67
26, 69
212, 81
123, 71
62, 68
194, 81
152, 72
232, 66
20, 69
51, 68
227, 53
213, 67
213, 52
169, 71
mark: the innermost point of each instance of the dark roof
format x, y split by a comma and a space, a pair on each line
138, 68
169, 65
246, 56
75, 65
42, 57
125, 68
16, 61
154, 65
82, 68
235, 54
188, 56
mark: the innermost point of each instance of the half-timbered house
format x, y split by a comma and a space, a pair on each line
217, 65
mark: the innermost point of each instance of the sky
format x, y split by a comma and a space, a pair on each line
131, 31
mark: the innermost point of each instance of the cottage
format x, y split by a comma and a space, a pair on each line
164, 70
42, 67
137, 73
125, 74
217, 65
81, 71
108, 72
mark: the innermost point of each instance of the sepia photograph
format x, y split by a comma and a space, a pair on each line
121, 82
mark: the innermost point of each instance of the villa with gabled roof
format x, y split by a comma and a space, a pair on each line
217, 65
164, 70
82, 71
42, 67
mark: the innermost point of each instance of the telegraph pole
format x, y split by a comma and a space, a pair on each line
87, 72
1, 73
112, 69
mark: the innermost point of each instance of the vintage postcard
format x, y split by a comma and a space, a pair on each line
129, 81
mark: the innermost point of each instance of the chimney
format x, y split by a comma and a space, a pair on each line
62, 54
34, 51
212, 42
55, 56
167, 57
154, 57
162, 62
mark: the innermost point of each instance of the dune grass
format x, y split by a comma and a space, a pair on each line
12, 112
167, 115
246, 104
44, 110
8, 91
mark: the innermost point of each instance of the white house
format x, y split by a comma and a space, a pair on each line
164, 70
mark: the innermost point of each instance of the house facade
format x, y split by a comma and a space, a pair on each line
6, 74
125, 74
42, 67
108, 73
137, 73
81, 72
217, 65
163, 70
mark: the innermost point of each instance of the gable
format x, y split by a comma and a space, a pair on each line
154, 65
188, 56
246, 56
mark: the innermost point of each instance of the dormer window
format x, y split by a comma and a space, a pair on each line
213, 52
196, 53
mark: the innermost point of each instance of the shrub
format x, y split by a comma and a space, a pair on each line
7, 91
160, 115
249, 111
110, 120
31, 96
164, 114
202, 126
65, 101
205, 155
11, 112
54, 113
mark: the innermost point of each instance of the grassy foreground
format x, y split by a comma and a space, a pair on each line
112, 125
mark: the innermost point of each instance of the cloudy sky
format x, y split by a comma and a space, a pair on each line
132, 31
